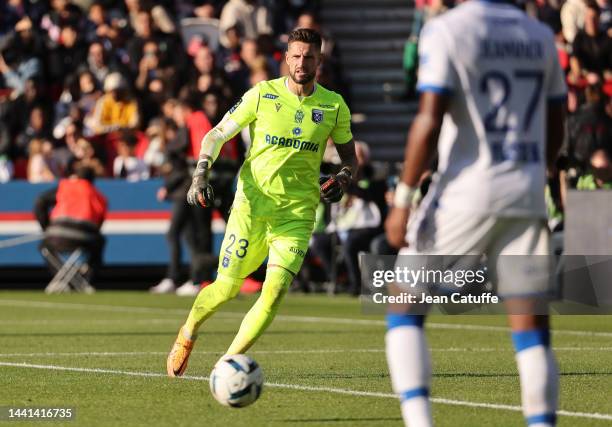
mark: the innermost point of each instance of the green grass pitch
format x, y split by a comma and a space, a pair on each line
104, 355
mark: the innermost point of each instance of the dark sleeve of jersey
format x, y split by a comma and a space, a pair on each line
44, 203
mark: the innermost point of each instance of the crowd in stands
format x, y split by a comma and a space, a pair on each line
117, 85
110, 82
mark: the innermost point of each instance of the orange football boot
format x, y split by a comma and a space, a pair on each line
179, 355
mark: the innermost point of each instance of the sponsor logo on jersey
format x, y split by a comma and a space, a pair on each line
327, 106
299, 116
296, 144
225, 262
297, 251
270, 96
235, 106
296, 131
278, 106
317, 116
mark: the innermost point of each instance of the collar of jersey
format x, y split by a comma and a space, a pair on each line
286, 84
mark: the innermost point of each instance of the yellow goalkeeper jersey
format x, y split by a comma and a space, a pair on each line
289, 134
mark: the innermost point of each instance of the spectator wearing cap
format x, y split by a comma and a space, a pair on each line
592, 50
250, 16
116, 109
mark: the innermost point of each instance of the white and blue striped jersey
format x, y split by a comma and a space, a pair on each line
500, 69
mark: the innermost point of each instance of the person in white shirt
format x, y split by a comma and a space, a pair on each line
493, 99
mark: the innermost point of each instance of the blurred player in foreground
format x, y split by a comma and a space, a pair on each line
493, 92
290, 120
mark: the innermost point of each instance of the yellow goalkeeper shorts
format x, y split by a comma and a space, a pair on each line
250, 239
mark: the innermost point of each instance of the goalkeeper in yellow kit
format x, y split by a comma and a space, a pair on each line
290, 120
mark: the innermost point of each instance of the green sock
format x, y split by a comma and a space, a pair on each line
263, 311
209, 300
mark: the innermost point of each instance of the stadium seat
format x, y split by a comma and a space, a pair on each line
71, 269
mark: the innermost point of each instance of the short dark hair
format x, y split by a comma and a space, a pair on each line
129, 137
84, 172
305, 35
592, 4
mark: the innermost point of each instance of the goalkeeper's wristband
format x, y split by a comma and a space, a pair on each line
404, 194
203, 166
345, 176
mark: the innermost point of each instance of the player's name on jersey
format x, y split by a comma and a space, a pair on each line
517, 49
296, 144
425, 298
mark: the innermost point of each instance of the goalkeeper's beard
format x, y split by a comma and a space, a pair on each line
308, 77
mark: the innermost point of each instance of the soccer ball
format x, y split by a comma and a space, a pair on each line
236, 381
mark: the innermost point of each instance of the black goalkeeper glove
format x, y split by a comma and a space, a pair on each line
334, 187
201, 192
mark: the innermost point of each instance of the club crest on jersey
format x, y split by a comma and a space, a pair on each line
317, 116
270, 96
278, 106
235, 106
299, 116
297, 131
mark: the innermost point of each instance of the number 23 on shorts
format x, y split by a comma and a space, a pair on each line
241, 246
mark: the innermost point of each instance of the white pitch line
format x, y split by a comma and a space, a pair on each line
88, 307
88, 353
513, 408
286, 318
305, 351
86, 321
